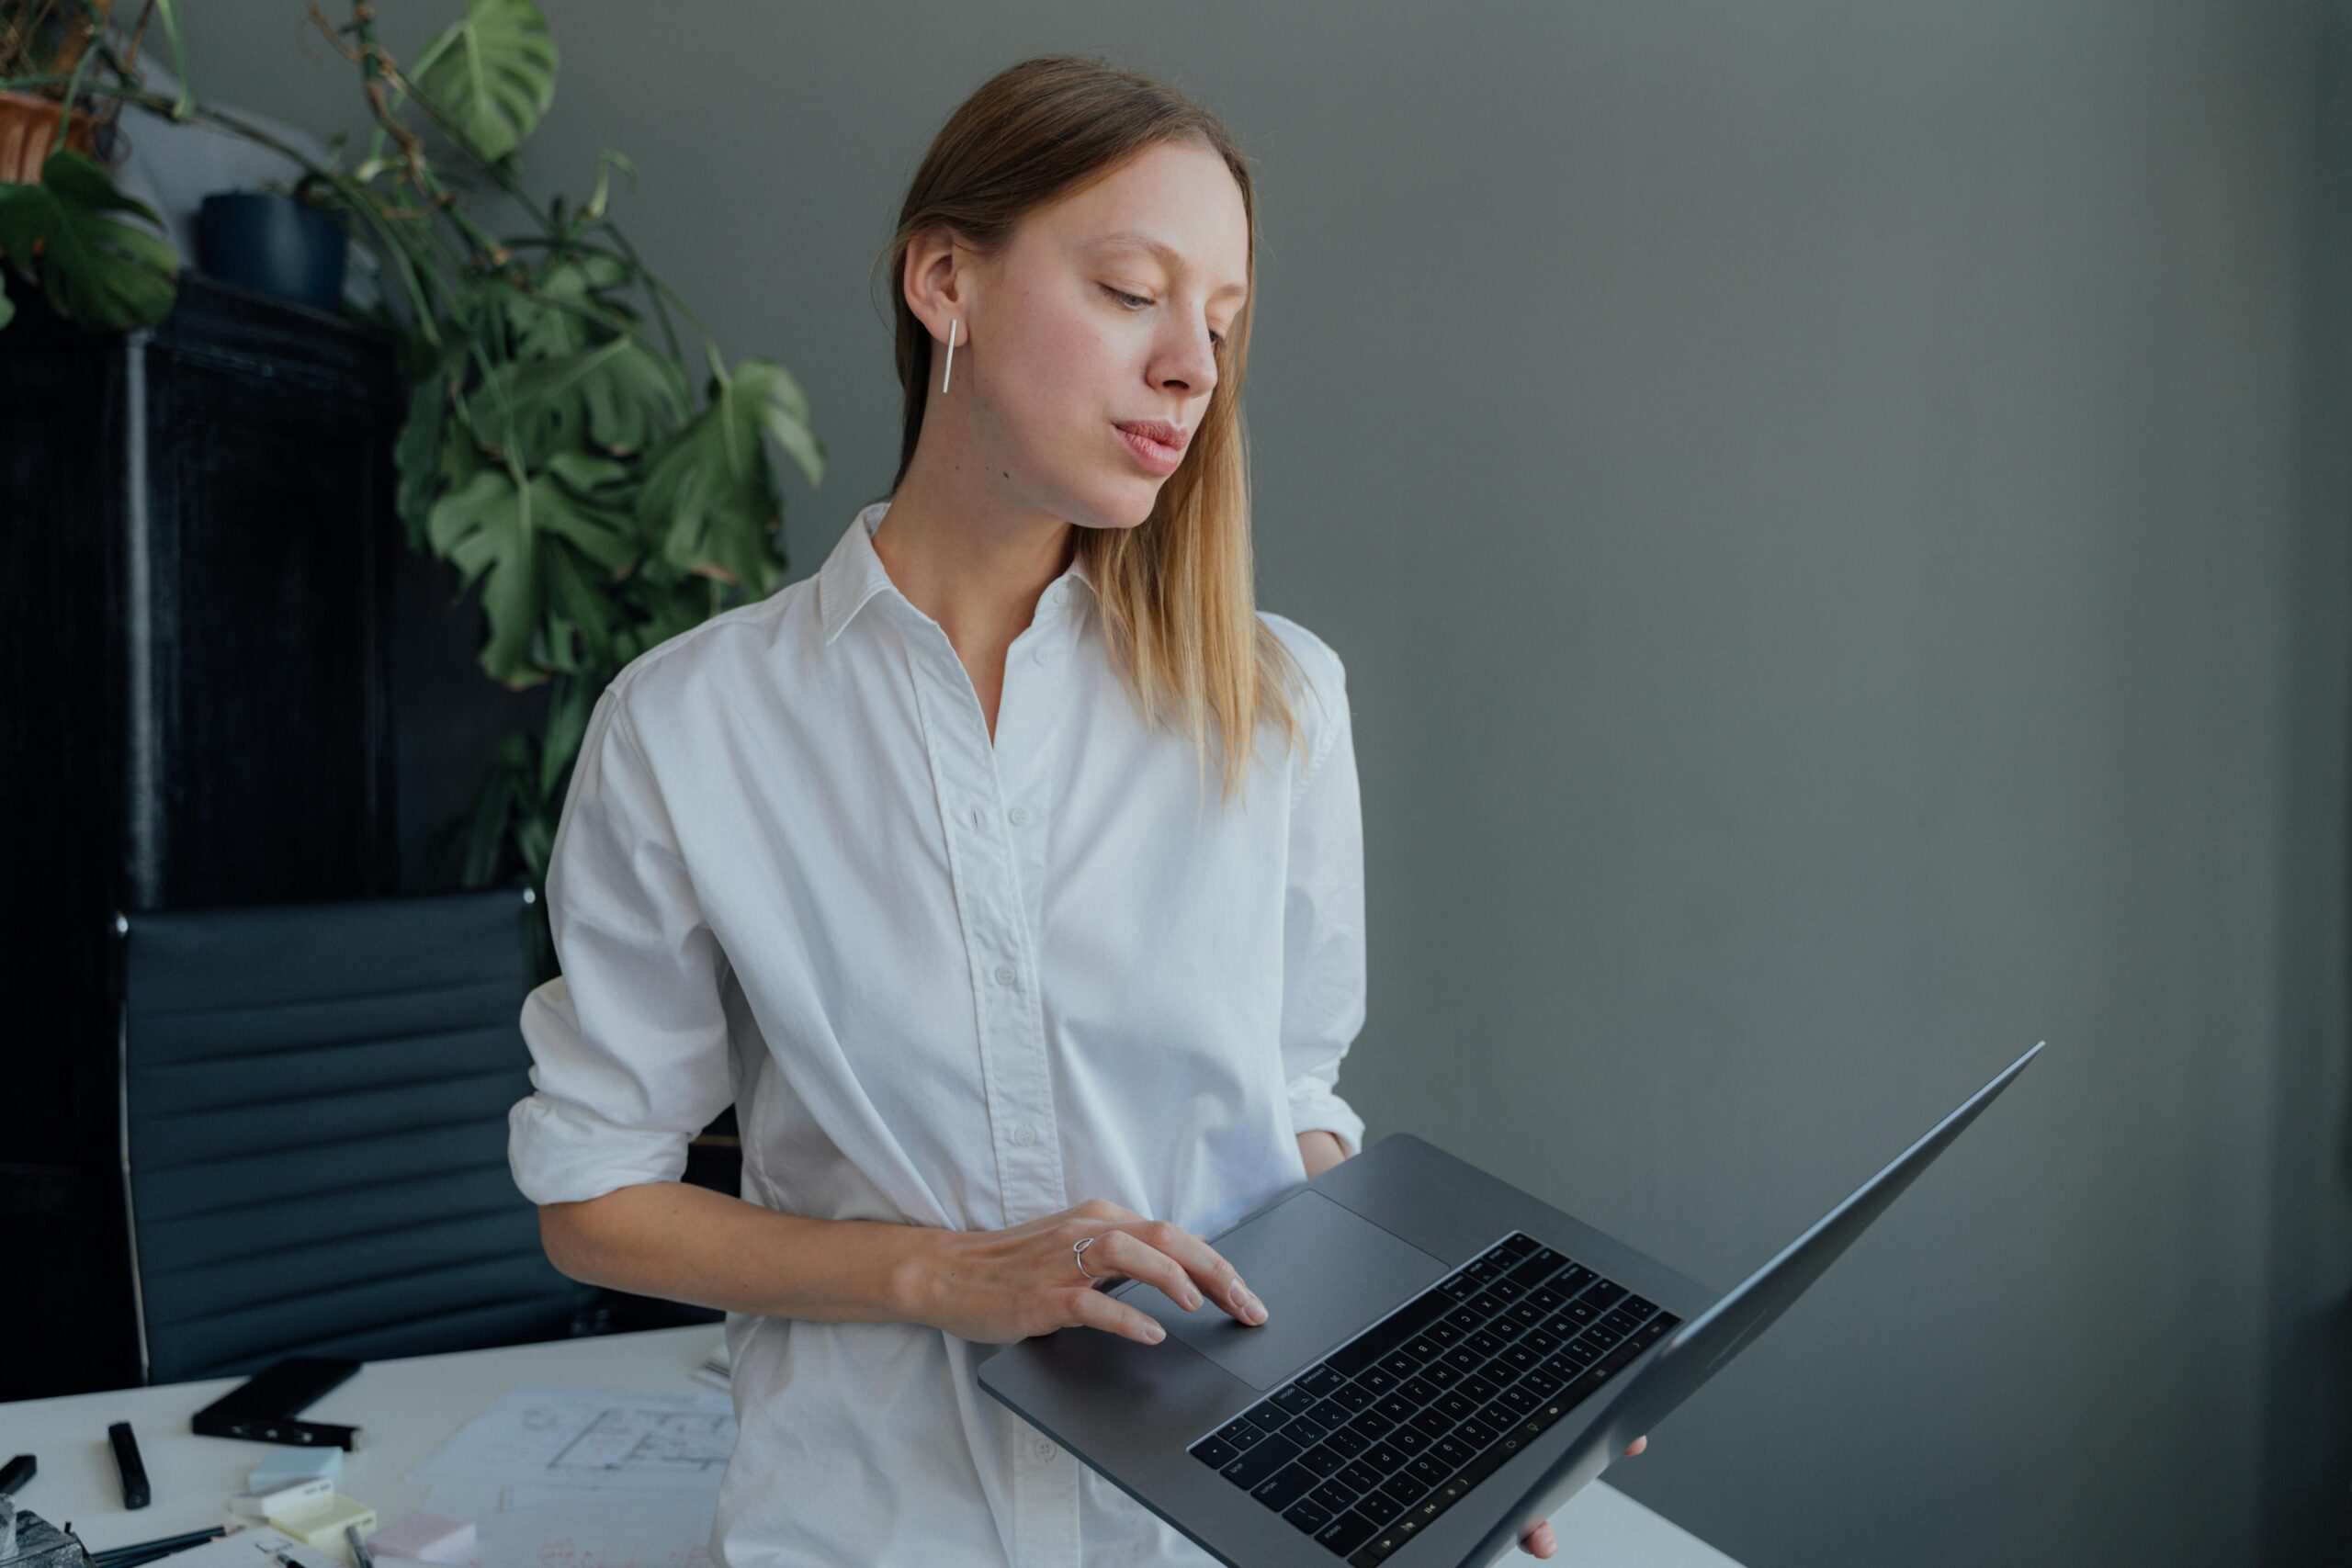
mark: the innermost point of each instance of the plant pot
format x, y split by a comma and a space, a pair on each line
27, 126
272, 242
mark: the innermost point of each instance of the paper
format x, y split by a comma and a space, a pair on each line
640, 1439
652, 1529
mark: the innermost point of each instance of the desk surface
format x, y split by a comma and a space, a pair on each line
409, 1405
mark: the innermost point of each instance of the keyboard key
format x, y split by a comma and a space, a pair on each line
1305, 1429
1347, 1442
1355, 1396
1331, 1495
1387, 1457
1442, 1375
1260, 1462
1306, 1515
1320, 1379
1373, 1344
1215, 1452
1621, 1320
1266, 1413
1346, 1532
1476, 1435
1295, 1398
1358, 1477
1285, 1486
1477, 1388
1603, 1293
1537, 1266
1379, 1507
1323, 1459
1519, 1244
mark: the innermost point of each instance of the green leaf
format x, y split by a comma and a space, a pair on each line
709, 492
525, 418
417, 455
548, 331
492, 74
509, 539
631, 395
99, 271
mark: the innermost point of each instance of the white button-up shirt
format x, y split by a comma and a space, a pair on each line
946, 982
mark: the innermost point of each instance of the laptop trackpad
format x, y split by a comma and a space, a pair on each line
1325, 1273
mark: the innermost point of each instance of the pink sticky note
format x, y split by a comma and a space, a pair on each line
425, 1538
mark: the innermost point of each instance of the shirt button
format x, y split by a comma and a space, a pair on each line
1017, 815
1024, 1134
1044, 1449
1004, 974
1041, 656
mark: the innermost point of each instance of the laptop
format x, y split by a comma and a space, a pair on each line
1445, 1360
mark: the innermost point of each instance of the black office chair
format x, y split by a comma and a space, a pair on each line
314, 1103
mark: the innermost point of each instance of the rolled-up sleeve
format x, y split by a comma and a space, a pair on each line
628, 1044
1323, 929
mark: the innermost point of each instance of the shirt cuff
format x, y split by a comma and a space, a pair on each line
1312, 1107
564, 1153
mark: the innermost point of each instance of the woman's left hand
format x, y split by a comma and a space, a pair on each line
1540, 1542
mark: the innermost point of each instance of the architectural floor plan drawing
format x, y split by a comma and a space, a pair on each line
602, 1438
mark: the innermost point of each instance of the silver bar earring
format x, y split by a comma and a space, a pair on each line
951, 354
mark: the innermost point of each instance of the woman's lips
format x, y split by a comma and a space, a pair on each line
1159, 458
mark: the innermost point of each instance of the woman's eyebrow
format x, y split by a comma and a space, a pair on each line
1137, 239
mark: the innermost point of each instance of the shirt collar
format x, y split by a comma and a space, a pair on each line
853, 573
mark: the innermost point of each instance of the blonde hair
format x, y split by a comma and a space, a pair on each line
1178, 591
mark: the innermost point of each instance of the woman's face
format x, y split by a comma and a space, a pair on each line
1078, 328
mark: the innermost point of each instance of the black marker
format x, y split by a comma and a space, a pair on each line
126, 1460
18, 1471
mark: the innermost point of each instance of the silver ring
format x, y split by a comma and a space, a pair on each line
1081, 1245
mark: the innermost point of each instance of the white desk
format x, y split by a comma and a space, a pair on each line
407, 1407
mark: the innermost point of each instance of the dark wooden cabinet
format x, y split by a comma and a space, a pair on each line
197, 543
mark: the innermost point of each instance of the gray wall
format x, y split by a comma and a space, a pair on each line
1836, 517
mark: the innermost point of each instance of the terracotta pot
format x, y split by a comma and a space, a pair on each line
27, 126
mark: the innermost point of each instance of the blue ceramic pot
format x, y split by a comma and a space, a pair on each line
269, 241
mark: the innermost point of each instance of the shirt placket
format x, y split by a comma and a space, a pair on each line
985, 855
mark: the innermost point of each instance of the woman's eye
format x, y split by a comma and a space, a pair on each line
1132, 300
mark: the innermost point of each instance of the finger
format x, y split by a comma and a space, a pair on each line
1539, 1541
1137, 1259
1217, 1279
1638, 1444
1092, 1309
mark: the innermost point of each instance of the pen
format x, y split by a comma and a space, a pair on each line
126, 1463
114, 1556
18, 1471
359, 1555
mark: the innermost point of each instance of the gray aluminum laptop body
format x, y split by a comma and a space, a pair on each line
1351, 1253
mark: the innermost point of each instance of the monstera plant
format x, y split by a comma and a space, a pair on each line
553, 451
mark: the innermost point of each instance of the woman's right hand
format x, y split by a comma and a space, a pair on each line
998, 1286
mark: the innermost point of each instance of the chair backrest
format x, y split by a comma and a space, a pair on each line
314, 1102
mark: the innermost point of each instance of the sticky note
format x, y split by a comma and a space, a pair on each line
321, 1524
425, 1538
288, 1466
288, 1499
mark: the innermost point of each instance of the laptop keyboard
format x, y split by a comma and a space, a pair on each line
1363, 1449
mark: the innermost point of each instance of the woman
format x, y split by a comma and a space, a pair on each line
916, 864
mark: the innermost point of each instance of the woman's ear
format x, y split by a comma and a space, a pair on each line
937, 284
